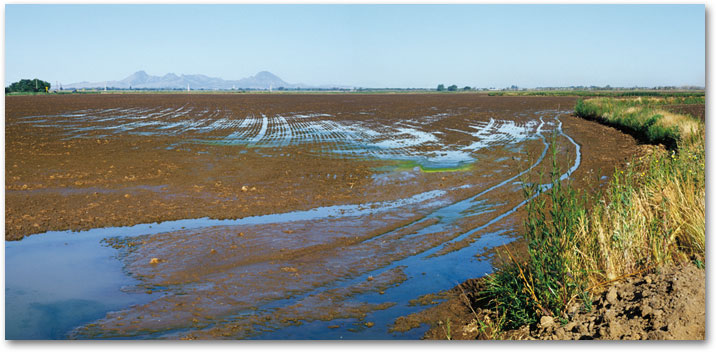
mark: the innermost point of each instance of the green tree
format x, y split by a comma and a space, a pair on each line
452, 88
28, 85
441, 87
467, 88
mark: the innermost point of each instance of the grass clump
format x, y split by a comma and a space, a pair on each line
652, 213
545, 283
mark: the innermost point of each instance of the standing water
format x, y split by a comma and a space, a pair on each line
333, 272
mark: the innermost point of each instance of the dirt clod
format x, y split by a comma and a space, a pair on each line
612, 295
546, 321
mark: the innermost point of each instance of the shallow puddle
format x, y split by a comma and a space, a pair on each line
48, 277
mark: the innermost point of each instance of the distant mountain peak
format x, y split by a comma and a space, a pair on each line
142, 80
136, 78
139, 74
265, 75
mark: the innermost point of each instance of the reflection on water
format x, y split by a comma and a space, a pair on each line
45, 274
56, 282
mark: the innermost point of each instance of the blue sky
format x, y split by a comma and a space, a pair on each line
363, 45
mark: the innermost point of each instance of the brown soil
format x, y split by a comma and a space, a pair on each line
665, 305
57, 183
696, 110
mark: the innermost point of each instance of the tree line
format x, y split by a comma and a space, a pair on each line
28, 85
452, 88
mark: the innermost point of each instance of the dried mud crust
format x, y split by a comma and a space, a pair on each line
56, 181
665, 305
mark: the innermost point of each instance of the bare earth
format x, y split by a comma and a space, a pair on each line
665, 305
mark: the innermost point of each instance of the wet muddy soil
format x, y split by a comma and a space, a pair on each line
80, 162
349, 208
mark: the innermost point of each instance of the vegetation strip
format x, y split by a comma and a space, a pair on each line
651, 214
643, 117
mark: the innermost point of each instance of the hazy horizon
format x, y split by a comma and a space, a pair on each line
397, 46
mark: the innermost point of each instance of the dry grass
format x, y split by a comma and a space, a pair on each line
654, 213
687, 126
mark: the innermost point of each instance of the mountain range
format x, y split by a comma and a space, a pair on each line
142, 80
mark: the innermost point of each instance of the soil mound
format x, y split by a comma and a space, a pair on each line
666, 304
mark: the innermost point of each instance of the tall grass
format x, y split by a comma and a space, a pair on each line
652, 213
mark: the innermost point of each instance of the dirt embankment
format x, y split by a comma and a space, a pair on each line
667, 304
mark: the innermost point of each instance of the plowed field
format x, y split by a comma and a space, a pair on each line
269, 216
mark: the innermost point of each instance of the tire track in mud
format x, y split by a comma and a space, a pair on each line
278, 129
416, 263
410, 263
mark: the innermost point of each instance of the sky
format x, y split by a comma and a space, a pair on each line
418, 46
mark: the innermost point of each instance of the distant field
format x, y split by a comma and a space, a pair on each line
580, 93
